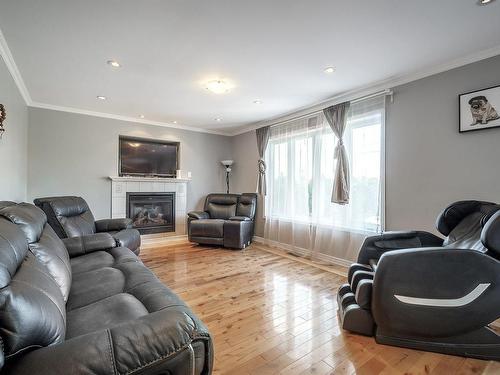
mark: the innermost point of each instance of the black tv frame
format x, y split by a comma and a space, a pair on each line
146, 140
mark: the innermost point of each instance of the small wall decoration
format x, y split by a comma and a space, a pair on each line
480, 109
3, 116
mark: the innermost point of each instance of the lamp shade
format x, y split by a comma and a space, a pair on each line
227, 163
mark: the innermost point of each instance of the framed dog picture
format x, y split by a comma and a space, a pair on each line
480, 109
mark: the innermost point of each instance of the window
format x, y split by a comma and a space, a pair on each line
301, 162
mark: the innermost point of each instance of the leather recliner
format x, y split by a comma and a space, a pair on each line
417, 290
71, 217
227, 220
88, 308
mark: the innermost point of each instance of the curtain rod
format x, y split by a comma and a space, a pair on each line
386, 92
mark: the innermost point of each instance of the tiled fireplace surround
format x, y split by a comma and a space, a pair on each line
120, 186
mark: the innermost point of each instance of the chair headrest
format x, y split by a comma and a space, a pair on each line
66, 206
13, 249
458, 211
30, 219
223, 199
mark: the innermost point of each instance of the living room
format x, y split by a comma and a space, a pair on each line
249, 187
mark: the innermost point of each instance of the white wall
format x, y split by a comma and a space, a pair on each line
13, 145
429, 164
72, 154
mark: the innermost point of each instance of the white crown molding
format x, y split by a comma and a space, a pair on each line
374, 87
123, 118
14, 71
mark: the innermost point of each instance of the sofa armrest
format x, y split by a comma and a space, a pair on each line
107, 225
373, 247
129, 238
238, 234
240, 218
198, 215
86, 244
166, 341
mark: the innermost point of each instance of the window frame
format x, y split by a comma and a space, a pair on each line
316, 135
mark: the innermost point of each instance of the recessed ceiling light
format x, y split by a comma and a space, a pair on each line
100, 97
218, 86
174, 122
484, 2
114, 63
218, 119
257, 101
142, 116
329, 70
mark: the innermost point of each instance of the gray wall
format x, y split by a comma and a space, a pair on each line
428, 163
244, 175
13, 145
74, 154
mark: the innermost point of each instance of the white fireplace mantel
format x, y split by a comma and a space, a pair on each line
149, 179
120, 186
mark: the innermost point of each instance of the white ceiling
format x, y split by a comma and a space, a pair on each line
272, 50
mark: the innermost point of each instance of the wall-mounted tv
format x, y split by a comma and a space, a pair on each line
148, 157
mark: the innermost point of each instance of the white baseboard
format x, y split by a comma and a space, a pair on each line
303, 252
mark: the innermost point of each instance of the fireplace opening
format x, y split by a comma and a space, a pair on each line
152, 212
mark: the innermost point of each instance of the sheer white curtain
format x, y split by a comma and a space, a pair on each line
300, 159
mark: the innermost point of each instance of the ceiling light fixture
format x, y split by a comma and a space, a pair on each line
484, 2
100, 97
114, 63
218, 86
257, 101
142, 116
174, 122
218, 119
329, 70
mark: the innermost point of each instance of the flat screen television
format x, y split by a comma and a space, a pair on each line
147, 157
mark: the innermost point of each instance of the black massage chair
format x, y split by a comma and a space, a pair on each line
416, 290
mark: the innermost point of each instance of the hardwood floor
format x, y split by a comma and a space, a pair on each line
270, 314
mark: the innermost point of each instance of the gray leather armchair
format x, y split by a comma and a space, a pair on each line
417, 290
71, 217
227, 220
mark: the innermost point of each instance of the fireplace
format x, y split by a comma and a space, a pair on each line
152, 212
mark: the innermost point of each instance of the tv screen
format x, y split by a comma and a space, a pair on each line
146, 157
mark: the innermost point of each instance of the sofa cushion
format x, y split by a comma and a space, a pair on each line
99, 259
126, 286
89, 287
104, 313
207, 228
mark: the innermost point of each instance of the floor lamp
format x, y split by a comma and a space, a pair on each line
227, 164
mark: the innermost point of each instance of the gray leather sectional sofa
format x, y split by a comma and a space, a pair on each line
227, 220
87, 307
71, 217
418, 290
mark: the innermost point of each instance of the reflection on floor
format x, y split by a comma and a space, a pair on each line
270, 314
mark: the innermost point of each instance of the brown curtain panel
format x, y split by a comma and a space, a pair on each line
262, 140
337, 118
